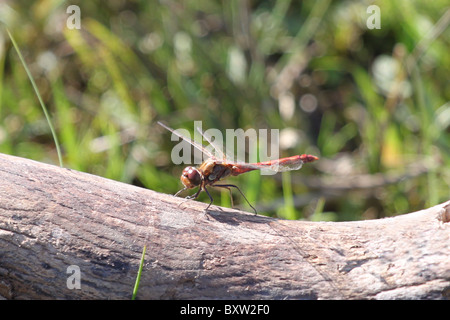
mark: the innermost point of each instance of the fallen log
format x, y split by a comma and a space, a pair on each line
70, 235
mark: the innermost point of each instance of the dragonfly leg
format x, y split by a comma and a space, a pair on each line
179, 192
195, 195
211, 198
231, 195
233, 186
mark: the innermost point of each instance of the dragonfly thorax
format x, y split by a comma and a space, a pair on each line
191, 177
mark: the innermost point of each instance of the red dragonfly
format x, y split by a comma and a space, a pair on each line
214, 169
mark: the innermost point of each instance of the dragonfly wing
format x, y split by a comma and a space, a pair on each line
286, 164
220, 154
277, 166
270, 166
289, 166
199, 147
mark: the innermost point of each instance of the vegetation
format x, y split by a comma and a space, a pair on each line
373, 104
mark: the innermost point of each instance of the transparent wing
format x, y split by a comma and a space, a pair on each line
281, 165
192, 142
286, 164
220, 154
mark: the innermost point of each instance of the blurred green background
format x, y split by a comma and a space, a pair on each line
373, 104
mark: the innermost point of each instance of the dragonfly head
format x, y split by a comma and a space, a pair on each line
191, 177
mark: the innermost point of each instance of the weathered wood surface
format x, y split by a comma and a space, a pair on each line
52, 218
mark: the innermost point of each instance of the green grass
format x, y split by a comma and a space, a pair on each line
36, 90
133, 63
138, 277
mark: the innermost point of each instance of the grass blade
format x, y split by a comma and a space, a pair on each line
138, 278
36, 90
289, 208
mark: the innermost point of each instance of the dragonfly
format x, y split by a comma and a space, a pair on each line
216, 168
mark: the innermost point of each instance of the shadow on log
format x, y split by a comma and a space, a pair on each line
57, 224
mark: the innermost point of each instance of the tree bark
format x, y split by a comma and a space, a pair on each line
54, 221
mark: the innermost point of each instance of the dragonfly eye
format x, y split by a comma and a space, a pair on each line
191, 177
